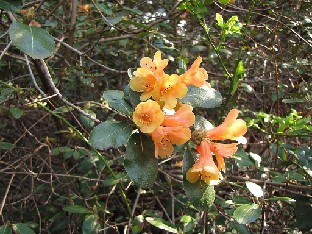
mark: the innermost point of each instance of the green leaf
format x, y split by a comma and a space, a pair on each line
134, 97
202, 97
90, 225
200, 194
162, 224
21, 228
246, 214
219, 20
255, 189
239, 72
16, 112
5, 229
303, 211
224, 1
77, 209
104, 7
116, 99
110, 134
85, 120
33, 41
202, 124
242, 159
240, 228
140, 162
11, 5
6, 145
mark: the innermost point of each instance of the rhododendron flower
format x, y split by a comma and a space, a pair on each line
205, 168
157, 65
143, 81
195, 75
231, 129
148, 116
168, 89
165, 137
182, 117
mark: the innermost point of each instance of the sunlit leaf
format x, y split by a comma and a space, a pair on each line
162, 224
33, 41
110, 134
21, 228
255, 189
247, 213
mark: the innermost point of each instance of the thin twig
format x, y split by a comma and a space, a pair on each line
33, 78
6, 194
5, 49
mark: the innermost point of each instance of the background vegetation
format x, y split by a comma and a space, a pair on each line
52, 181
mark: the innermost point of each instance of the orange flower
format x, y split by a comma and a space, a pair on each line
164, 137
148, 116
230, 129
195, 75
157, 65
182, 117
143, 82
168, 89
204, 168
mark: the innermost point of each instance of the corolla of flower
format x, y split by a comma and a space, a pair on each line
165, 137
168, 89
205, 168
231, 129
174, 130
148, 116
195, 75
143, 82
157, 65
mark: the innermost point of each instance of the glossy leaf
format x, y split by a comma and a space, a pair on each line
90, 225
110, 134
11, 5
199, 193
247, 213
33, 41
21, 228
116, 99
239, 72
5, 229
202, 97
140, 162
162, 224
255, 189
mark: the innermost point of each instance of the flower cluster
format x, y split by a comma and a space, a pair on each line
168, 121
160, 114
205, 168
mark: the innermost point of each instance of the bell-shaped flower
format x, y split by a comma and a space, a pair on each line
143, 82
165, 137
184, 117
156, 66
222, 151
205, 168
195, 75
148, 116
231, 128
168, 89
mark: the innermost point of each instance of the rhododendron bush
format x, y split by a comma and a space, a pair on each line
161, 107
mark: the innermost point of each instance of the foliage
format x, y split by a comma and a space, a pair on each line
74, 158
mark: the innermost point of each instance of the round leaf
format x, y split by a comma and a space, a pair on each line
110, 134
11, 5
140, 162
202, 97
116, 99
33, 41
246, 214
